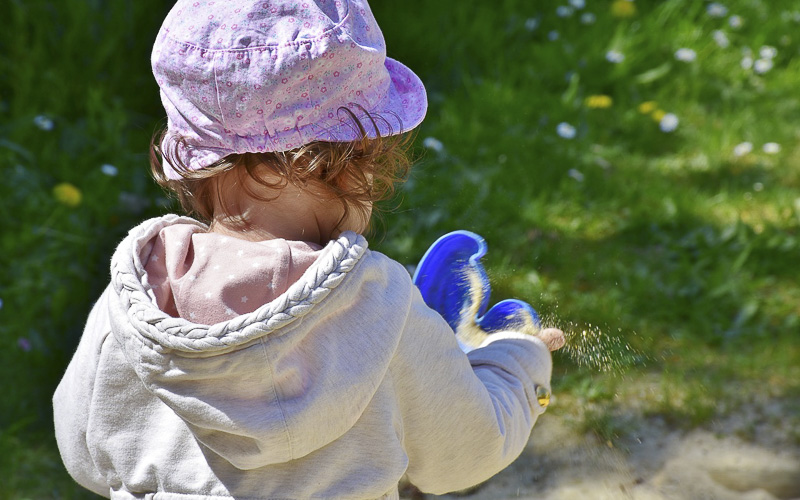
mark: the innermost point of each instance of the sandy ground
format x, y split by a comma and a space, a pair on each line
751, 454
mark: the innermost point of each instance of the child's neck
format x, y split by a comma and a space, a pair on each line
257, 231
295, 214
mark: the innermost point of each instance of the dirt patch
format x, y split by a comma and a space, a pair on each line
748, 455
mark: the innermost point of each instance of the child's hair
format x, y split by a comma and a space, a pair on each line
354, 173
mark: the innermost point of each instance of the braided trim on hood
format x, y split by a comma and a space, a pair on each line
339, 257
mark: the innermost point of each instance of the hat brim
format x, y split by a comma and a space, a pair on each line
406, 99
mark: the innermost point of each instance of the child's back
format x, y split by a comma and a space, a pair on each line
322, 374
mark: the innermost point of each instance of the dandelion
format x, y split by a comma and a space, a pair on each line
742, 149
668, 123
721, 38
576, 174
553, 36
716, 9
623, 8
67, 194
647, 107
772, 148
658, 115
747, 62
588, 18
109, 170
761, 66
563, 11
735, 22
768, 52
685, 55
531, 24
565, 130
615, 56
578, 4
44, 123
433, 144
598, 101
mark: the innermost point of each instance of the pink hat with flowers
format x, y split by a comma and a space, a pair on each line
272, 75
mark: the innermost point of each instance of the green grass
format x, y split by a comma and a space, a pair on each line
666, 243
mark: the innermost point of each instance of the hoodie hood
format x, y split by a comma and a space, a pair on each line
209, 278
264, 387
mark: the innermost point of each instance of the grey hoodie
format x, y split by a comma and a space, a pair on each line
336, 389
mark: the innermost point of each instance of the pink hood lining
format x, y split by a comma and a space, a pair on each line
209, 278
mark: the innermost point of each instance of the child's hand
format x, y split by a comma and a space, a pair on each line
552, 337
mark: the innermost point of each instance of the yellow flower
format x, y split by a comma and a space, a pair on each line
623, 8
658, 115
648, 107
68, 194
599, 101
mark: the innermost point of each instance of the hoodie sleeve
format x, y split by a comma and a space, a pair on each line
465, 417
72, 401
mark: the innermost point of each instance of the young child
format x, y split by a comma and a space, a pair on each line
270, 354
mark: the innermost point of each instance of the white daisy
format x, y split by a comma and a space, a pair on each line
109, 170
743, 148
685, 55
721, 38
578, 4
761, 66
615, 56
668, 123
772, 148
565, 130
44, 123
563, 11
433, 144
735, 22
576, 174
768, 52
716, 9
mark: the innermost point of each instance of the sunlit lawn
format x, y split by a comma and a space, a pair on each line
633, 166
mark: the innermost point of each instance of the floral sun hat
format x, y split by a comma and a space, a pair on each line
272, 75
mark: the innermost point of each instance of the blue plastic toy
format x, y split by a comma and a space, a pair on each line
454, 283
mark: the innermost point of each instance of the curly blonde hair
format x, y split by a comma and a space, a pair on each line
357, 174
